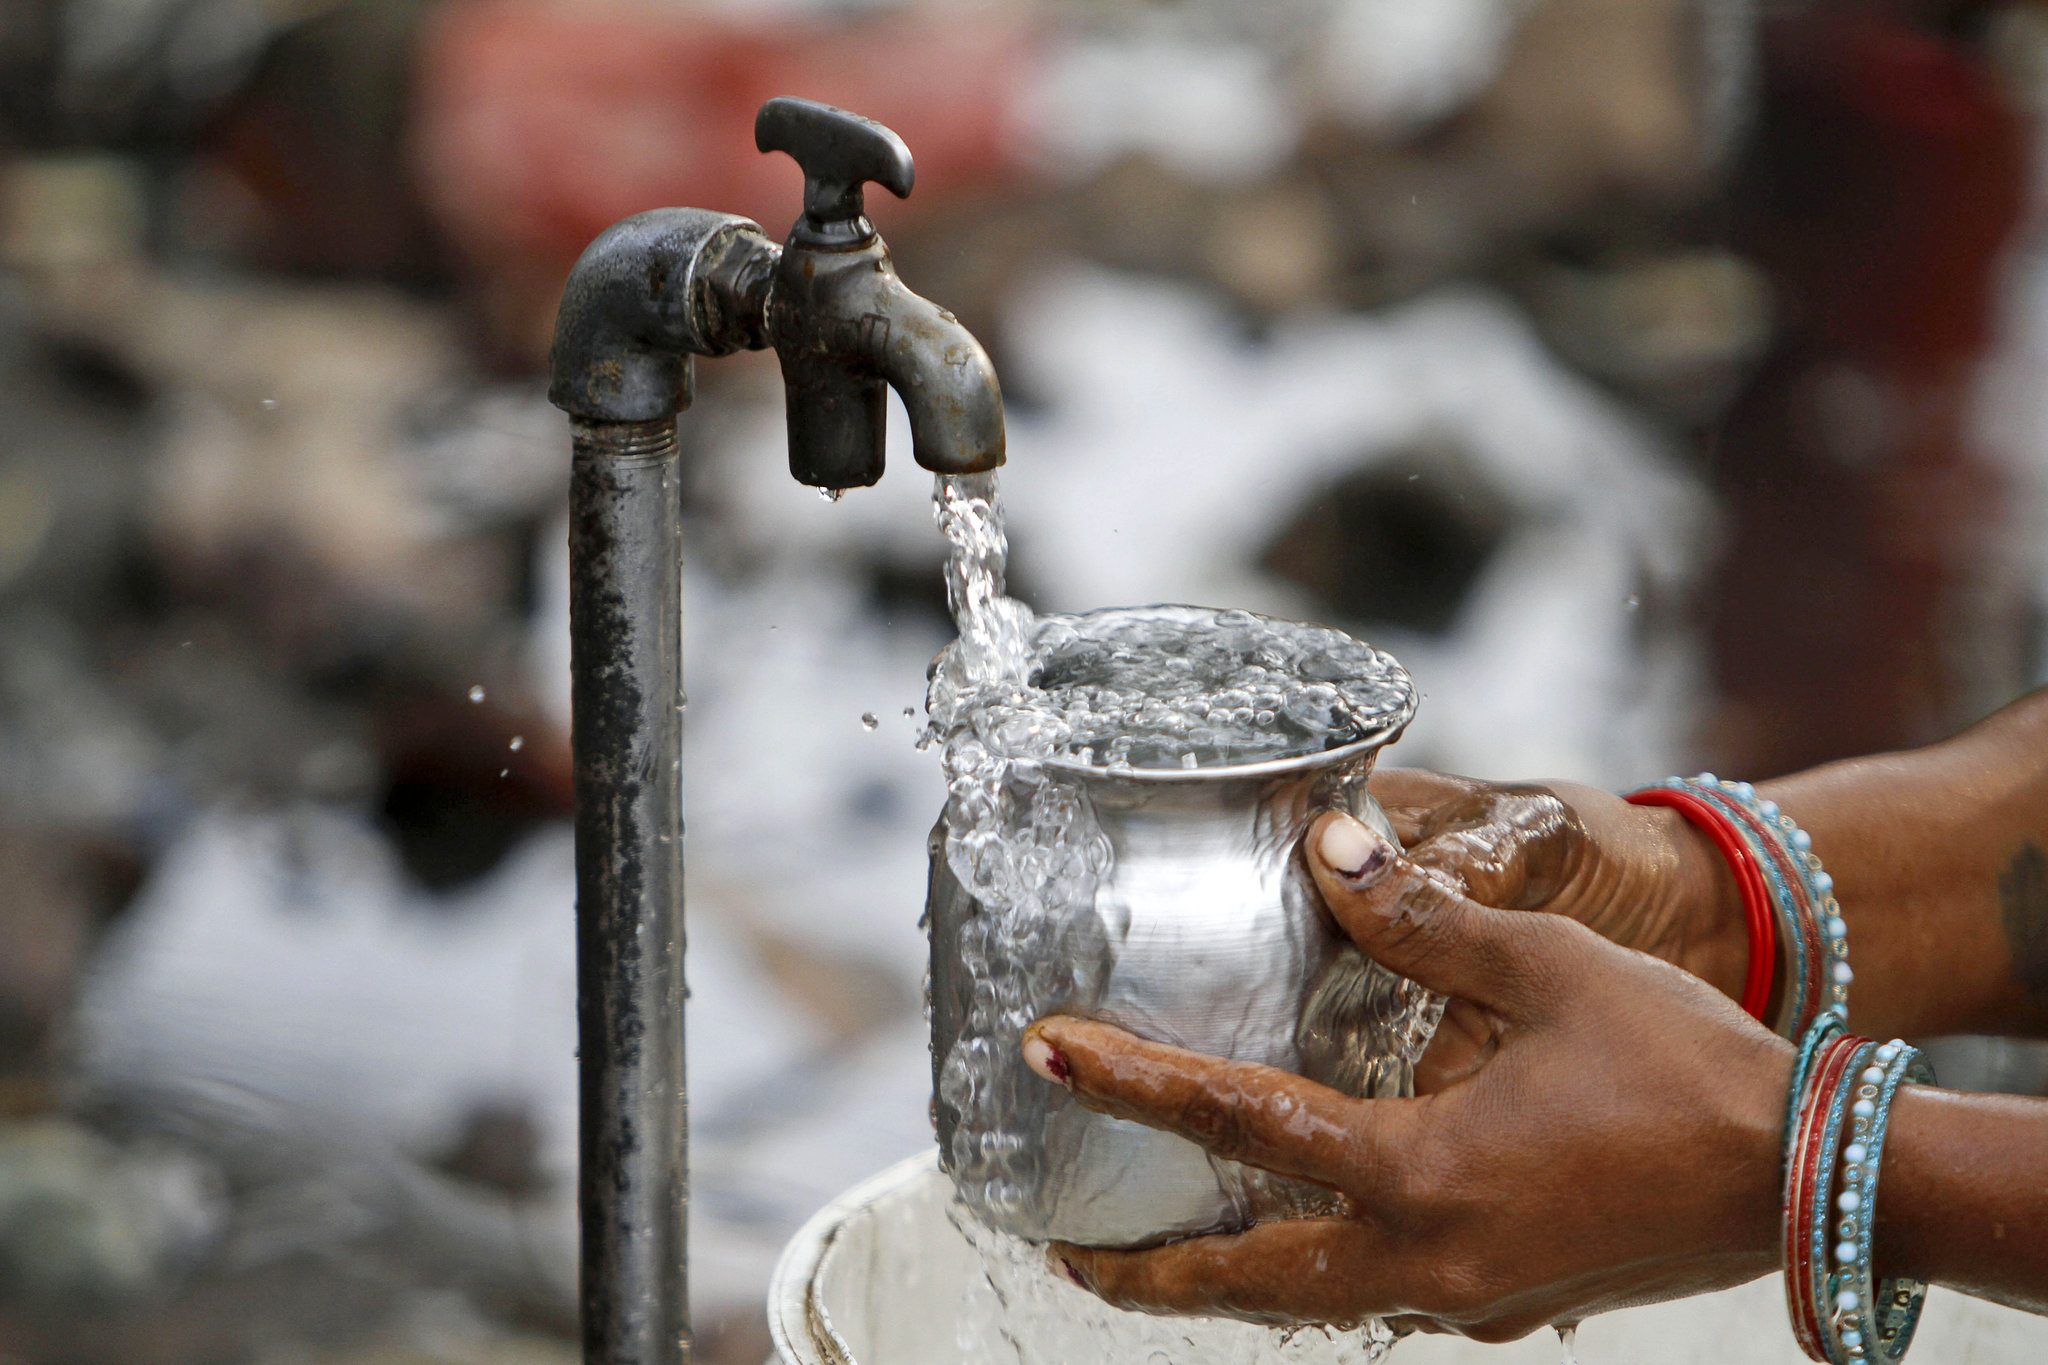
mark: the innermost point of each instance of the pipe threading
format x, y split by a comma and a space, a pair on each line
637, 442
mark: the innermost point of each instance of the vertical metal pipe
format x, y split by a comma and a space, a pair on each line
625, 624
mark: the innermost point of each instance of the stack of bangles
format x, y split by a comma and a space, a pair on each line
1842, 1085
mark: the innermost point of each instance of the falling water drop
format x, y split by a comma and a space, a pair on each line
518, 743
1632, 601
476, 692
868, 720
831, 494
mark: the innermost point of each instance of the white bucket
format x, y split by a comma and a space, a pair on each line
879, 1277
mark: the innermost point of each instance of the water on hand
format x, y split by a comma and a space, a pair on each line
1014, 702
1022, 1314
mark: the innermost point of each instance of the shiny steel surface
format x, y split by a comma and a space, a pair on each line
1206, 933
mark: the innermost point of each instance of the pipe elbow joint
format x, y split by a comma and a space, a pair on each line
649, 293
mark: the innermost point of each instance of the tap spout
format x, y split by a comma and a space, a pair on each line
946, 382
844, 325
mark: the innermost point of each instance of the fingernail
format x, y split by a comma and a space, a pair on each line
1047, 1060
1352, 851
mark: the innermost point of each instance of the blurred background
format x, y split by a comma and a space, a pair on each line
1664, 381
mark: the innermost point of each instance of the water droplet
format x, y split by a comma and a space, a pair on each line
1567, 1340
268, 404
476, 692
868, 720
504, 772
518, 743
831, 494
1632, 601
910, 712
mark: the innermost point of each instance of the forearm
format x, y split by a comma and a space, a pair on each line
1940, 861
1963, 1201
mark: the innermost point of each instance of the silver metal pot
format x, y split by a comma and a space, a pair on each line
1205, 932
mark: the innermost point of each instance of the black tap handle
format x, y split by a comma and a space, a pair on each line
838, 152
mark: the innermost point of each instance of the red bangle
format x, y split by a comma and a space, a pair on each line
1804, 1179
1756, 896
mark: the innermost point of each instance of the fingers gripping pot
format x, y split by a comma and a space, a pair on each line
1203, 930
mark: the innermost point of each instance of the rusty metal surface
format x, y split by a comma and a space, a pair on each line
626, 657
638, 306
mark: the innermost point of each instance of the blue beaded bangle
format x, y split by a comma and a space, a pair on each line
1871, 1321
1810, 923
1827, 1263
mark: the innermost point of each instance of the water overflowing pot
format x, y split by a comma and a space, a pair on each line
1201, 928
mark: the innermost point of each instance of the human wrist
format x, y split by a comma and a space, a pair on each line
1963, 1204
1932, 1205
1755, 1219
1709, 928
1786, 895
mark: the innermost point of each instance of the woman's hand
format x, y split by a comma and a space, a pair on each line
1640, 876
1614, 1140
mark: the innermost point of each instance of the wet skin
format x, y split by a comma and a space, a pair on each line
1594, 1127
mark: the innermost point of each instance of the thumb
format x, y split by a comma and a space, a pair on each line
1415, 921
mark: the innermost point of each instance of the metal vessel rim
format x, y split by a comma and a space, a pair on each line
1265, 767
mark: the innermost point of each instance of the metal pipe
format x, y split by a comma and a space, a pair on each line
639, 305
651, 292
625, 643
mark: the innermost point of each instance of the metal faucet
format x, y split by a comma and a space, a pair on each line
649, 294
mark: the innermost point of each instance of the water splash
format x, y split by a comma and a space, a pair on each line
1192, 687
1020, 840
